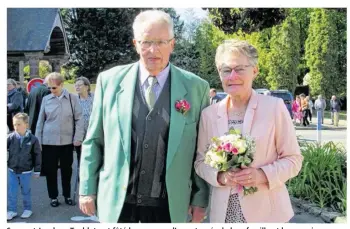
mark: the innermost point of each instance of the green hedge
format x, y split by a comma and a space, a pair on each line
322, 179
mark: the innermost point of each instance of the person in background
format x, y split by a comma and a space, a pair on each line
311, 106
320, 105
86, 99
33, 104
23, 92
14, 102
296, 110
213, 97
335, 105
24, 155
60, 127
305, 109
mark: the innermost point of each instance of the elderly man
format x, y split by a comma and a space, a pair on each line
33, 105
335, 105
137, 158
213, 97
320, 105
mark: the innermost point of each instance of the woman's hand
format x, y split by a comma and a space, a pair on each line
227, 178
250, 177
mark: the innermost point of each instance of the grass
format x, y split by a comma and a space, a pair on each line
342, 115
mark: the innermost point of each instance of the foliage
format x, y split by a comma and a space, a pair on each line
283, 58
44, 69
231, 20
322, 53
322, 179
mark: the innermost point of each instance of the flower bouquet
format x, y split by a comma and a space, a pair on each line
231, 151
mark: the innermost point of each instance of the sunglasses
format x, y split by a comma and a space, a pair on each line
53, 88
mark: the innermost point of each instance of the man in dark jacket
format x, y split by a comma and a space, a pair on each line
14, 102
335, 105
33, 105
213, 97
23, 92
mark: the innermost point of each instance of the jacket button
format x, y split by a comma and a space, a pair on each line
139, 201
138, 196
149, 118
143, 172
146, 146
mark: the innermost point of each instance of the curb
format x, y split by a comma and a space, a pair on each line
326, 214
323, 128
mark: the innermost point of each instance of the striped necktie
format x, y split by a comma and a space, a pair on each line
150, 94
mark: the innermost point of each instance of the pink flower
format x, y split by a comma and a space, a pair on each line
182, 106
228, 147
234, 150
219, 148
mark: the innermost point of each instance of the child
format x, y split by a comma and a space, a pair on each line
24, 155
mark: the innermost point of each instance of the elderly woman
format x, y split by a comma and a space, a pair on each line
266, 119
86, 99
14, 102
60, 126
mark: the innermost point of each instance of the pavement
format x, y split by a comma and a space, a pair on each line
327, 125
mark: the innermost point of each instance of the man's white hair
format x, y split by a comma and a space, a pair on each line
146, 18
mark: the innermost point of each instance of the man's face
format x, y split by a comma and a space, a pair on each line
212, 94
333, 97
155, 46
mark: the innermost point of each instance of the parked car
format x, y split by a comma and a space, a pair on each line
221, 94
287, 98
261, 91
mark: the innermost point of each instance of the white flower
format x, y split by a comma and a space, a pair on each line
241, 145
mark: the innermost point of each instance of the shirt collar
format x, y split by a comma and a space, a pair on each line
161, 77
64, 93
18, 136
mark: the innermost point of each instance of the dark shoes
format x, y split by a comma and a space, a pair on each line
54, 203
68, 201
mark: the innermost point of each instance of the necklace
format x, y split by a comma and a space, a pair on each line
237, 113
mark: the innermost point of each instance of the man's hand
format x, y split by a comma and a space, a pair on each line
77, 143
87, 204
197, 213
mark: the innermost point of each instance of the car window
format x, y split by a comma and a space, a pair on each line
284, 96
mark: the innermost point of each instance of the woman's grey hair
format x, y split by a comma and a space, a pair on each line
12, 81
85, 81
236, 46
146, 18
55, 76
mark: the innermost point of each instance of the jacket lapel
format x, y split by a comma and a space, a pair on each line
222, 119
177, 120
249, 115
125, 99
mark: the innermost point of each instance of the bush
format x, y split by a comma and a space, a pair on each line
322, 179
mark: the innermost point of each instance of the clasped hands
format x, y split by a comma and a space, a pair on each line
246, 177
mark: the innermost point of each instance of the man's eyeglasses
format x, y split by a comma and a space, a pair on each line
53, 88
240, 70
147, 44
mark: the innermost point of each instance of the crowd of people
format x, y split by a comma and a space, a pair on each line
44, 130
303, 109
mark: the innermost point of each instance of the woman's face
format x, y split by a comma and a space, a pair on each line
10, 86
237, 74
55, 87
80, 87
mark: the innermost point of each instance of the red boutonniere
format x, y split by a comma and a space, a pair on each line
182, 106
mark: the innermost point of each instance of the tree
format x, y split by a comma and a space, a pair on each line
248, 20
100, 38
322, 53
284, 55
